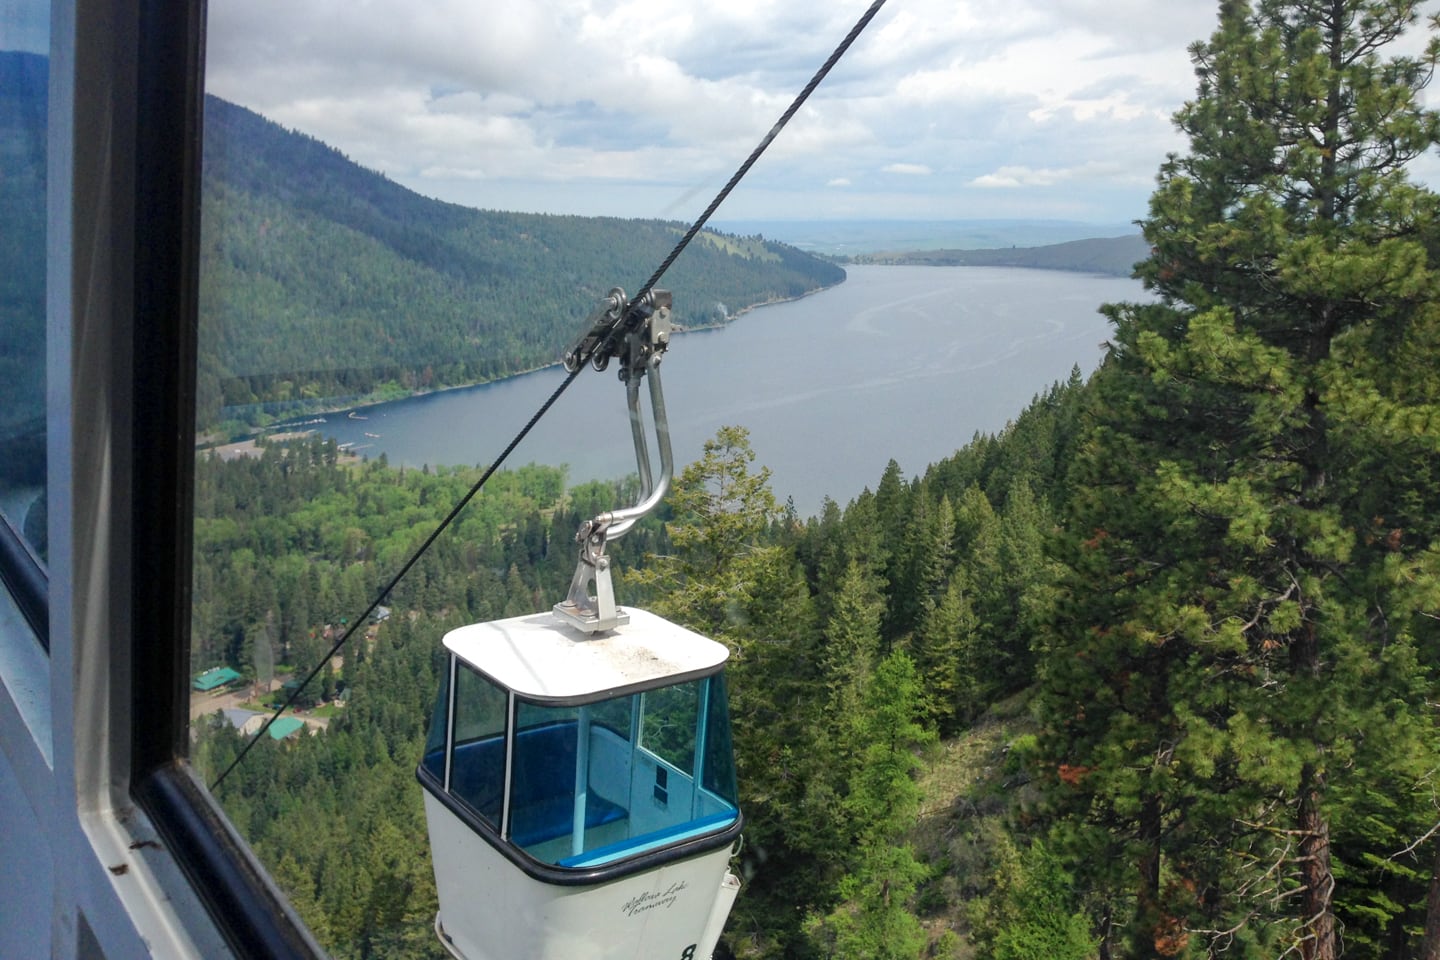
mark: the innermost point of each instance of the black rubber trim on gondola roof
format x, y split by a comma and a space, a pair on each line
579, 876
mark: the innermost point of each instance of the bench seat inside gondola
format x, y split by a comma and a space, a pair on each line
542, 798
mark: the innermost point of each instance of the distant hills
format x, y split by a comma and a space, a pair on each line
323, 283
849, 238
1112, 255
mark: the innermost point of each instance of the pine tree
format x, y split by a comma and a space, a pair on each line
725, 580
892, 504
519, 598
873, 920
818, 827
946, 658
1031, 913
995, 656
927, 557
852, 647
1237, 636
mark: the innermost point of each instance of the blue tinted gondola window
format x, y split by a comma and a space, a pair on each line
434, 759
669, 728
718, 773
477, 763
621, 777
572, 765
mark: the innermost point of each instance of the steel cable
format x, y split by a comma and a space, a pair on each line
764, 144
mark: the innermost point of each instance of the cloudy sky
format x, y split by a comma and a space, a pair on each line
944, 109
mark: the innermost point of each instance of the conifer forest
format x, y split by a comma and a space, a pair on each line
1152, 672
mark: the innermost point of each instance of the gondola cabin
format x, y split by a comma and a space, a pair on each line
580, 792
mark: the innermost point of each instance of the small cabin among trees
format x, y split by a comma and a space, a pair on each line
214, 680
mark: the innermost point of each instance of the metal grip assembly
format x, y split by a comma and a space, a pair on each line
638, 337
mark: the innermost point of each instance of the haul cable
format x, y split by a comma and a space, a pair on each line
627, 316
595, 347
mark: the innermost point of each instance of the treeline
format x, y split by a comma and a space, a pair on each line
1116, 256
294, 541
322, 280
861, 637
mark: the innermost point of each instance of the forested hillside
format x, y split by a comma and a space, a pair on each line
1151, 673
878, 624
321, 279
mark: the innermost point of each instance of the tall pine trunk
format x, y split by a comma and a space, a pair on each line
1319, 884
1148, 908
1317, 916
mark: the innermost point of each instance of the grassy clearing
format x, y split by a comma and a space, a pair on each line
975, 791
749, 248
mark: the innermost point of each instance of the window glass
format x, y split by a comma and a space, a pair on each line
668, 728
477, 763
584, 793
434, 758
550, 773
614, 715
24, 111
718, 773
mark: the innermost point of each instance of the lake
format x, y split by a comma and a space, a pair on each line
897, 362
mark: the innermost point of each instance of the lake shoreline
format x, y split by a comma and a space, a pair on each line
916, 362
210, 442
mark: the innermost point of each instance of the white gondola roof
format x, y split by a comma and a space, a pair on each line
541, 658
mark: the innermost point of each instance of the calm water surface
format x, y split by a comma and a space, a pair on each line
902, 362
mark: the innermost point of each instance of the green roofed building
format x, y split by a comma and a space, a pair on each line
214, 678
284, 727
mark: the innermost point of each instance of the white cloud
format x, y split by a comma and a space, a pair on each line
604, 106
1008, 177
1013, 177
